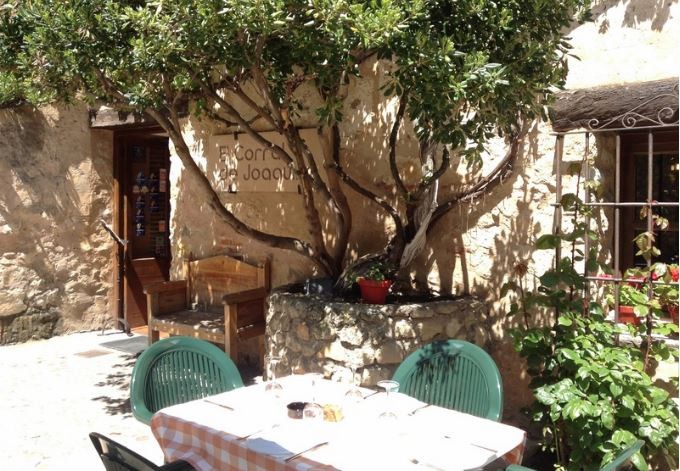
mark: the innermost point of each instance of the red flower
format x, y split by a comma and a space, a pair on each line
654, 276
674, 274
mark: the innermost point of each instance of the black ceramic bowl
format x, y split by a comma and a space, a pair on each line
295, 409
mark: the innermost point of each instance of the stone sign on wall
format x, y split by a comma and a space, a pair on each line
242, 164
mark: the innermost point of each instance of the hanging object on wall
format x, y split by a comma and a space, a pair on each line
140, 180
140, 203
139, 229
153, 203
137, 152
153, 183
139, 217
135, 189
162, 180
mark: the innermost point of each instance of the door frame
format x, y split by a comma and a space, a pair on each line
120, 167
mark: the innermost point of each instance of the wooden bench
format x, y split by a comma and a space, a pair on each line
221, 300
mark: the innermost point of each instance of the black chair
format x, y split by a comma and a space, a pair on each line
116, 457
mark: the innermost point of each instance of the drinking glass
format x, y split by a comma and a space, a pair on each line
315, 379
272, 386
312, 411
354, 394
389, 386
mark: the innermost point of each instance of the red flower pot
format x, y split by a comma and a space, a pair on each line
672, 310
627, 316
374, 292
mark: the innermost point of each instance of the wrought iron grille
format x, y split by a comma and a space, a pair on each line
665, 118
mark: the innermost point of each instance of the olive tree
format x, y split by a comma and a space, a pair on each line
461, 72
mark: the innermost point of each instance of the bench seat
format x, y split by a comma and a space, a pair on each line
231, 295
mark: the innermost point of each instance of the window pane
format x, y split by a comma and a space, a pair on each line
664, 189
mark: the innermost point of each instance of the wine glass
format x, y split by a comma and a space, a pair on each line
315, 380
313, 410
389, 386
272, 386
354, 394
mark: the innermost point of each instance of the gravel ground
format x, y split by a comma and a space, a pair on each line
55, 392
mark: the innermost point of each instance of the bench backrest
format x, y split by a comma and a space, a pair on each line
209, 279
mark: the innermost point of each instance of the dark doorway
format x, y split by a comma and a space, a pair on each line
142, 216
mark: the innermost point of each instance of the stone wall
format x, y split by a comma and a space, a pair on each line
318, 334
55, 259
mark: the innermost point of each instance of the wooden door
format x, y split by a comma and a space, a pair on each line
144, 218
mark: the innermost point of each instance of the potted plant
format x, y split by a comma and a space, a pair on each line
630, 295
374, 284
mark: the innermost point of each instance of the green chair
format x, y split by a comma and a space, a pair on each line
454, 374
618, 463
176, 370
116, 457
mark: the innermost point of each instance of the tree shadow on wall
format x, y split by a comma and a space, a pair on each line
637, 11
40, 203
446, 247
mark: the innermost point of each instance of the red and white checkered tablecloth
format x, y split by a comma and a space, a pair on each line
210, 437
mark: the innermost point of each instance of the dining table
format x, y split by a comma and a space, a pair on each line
251, 428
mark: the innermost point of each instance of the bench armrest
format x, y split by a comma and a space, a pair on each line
164, 286
245, 295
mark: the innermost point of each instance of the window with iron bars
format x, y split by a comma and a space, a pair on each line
635, 158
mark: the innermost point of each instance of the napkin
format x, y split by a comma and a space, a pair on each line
288, 439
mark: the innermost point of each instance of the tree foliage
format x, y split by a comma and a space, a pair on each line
461, 72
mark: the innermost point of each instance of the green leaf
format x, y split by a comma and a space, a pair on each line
550, 279
547, 241
607, 420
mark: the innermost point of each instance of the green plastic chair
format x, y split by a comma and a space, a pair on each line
454, 374
177, 370
620, 460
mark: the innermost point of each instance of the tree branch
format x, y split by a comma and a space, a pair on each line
493, 179
281, 242
401, 188
353, 184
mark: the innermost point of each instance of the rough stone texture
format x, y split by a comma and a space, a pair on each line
362, 334
55, 258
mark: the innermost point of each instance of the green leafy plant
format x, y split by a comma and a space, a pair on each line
593, 395
376, 272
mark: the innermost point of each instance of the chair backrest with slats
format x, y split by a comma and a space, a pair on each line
211, 278
116, 457
454, 374
177, 370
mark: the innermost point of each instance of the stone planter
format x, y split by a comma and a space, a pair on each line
316, 333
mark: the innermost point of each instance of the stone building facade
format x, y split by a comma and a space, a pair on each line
57, 264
